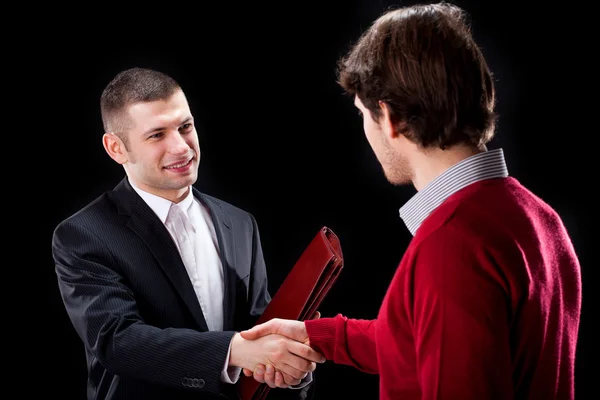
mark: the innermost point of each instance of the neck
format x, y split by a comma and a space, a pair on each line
174, 195
179, 195
428, 164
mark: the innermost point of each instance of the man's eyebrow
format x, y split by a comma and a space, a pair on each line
160, 128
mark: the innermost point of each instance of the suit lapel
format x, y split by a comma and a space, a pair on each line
150, 229
225, 238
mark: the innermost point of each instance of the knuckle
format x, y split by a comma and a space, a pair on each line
296, 375
291, 381
306, 365
281, 381
305, 352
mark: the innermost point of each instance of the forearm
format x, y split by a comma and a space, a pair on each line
106, 318
165, 356
345, 341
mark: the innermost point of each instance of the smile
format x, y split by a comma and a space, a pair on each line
181, 165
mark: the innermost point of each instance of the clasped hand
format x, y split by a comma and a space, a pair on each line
281, 369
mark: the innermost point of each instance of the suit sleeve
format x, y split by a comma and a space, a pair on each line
104, 313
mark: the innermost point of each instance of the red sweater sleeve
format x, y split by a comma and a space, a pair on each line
460, 320
345, 341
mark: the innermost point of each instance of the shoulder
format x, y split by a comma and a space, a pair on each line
97, 215
492, 219
468, 220
84, 225
88, 212
475, 212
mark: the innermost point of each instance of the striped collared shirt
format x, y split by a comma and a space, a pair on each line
486, 165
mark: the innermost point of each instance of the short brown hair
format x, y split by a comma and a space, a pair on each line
423, 62
129, 87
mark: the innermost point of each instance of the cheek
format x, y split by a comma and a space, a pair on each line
370, 129
193, 142
152, 155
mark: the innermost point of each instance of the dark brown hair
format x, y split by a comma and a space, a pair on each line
423, 62
129, 87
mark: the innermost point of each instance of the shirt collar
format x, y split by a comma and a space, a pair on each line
486, 165
160, 205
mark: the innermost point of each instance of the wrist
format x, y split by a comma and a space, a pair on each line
236, 355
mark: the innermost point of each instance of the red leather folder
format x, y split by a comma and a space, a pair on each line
300, 294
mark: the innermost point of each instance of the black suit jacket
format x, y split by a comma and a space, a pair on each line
129, 297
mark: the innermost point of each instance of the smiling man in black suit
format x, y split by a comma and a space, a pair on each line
159, 278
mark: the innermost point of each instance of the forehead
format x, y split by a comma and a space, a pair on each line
164, 112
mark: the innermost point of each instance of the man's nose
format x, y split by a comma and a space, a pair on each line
177, 144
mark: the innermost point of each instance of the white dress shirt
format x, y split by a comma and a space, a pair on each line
207, 276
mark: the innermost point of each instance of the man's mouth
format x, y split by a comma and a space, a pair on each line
180, 165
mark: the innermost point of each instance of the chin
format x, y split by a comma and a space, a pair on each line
398, 180
190, 180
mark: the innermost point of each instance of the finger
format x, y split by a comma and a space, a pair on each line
270, 376
292, 329
247, 372
305, 351
316, 315
284, 367
259, 374
279, 382
298, 367
260, 330
290, 380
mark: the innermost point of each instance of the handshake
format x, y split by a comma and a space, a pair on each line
276, 352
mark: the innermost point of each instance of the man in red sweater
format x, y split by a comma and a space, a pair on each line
485, 303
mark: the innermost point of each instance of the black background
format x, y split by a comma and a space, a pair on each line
279, 139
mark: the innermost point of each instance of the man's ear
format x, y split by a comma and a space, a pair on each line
389, 127
115, 147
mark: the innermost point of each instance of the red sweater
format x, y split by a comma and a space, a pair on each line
485, 304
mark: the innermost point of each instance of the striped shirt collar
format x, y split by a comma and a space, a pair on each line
486, 165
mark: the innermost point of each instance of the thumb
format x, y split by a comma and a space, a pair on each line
259, 330
292, 329
316, 315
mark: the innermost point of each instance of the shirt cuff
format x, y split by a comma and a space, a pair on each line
231, 374
305, 382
